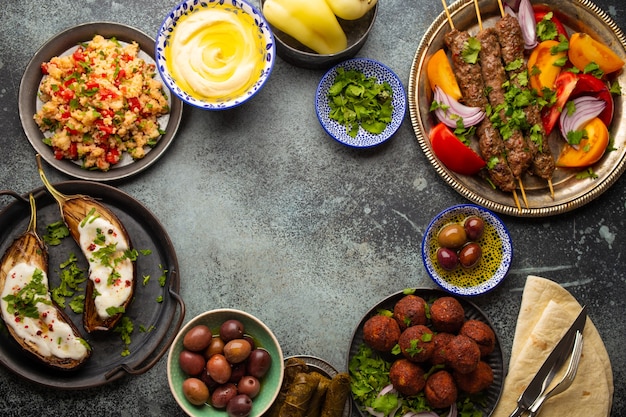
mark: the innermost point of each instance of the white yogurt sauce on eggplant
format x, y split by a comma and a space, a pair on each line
49, 333
109, 269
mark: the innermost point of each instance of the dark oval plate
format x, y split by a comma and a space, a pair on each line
152, 319
569, 192
320, 365
472, 312
29, 102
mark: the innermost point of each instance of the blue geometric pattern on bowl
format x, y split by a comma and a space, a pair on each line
370, 68
488, 217
189, 6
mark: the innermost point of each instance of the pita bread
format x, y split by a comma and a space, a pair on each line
546, 312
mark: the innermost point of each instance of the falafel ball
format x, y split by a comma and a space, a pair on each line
416, 343
481, 333
407, 377
447, 314
476, 381
462, 354
440, 340
409, 311
440, 390
381, 333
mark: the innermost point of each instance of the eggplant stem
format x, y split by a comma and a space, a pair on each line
58, 196
32, 224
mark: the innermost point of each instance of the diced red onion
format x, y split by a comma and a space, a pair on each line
585, 109
454, 111
526, 18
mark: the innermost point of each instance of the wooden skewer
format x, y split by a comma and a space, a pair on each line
551, 188
445, 9
501, 8
516, 199
521, 187
480, 21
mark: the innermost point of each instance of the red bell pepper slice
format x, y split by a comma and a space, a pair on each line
590, 85
564, 85
112, 156
455, 155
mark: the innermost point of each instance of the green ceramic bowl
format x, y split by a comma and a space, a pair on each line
262, 335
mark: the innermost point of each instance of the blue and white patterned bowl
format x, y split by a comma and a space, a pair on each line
190, 6
496, 247
370, 68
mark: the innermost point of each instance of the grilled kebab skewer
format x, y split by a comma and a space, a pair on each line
511, 42
518, 154
472, 86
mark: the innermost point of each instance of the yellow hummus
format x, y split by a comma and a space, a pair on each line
215, 53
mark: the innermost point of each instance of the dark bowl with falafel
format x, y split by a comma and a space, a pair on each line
431, 350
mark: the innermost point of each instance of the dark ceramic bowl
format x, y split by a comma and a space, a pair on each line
299, 55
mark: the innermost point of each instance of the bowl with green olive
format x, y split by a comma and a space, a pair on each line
225, 363
467, 250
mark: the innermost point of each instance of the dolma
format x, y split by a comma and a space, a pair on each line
317, 400
293, 366
299, 395
336, 395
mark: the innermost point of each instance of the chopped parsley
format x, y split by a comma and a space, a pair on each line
125, 328
55, 232
357, 100
71, 277
24, 302
470, 51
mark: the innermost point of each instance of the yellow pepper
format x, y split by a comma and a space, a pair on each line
311, 22
351, 9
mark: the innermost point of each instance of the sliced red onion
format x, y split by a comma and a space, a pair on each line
426, 414
386, 390
526, 18
585, 109
374, 413
454, 111
453, 411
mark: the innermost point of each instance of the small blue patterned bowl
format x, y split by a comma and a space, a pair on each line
165, 37
496, 245
363, 139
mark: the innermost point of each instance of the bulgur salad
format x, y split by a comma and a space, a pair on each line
100, 101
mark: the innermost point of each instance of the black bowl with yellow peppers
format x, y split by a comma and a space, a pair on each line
318, 34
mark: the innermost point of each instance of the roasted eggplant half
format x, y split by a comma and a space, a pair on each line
106, 245
30, 315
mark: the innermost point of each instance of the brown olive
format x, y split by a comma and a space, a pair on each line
447, 259
197, 338
192, 363
216, 346
195, 391
249, 385
470, 255
259, 363
218, 368
231, 329
239, 406
452, 236
474, 227
223, 394
237, 350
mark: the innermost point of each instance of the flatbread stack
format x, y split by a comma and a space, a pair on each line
546, 312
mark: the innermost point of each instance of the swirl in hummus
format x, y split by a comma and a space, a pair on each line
215, 53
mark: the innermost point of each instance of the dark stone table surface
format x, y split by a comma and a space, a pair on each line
270, 215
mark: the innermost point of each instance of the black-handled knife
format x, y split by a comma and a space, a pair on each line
552, 364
